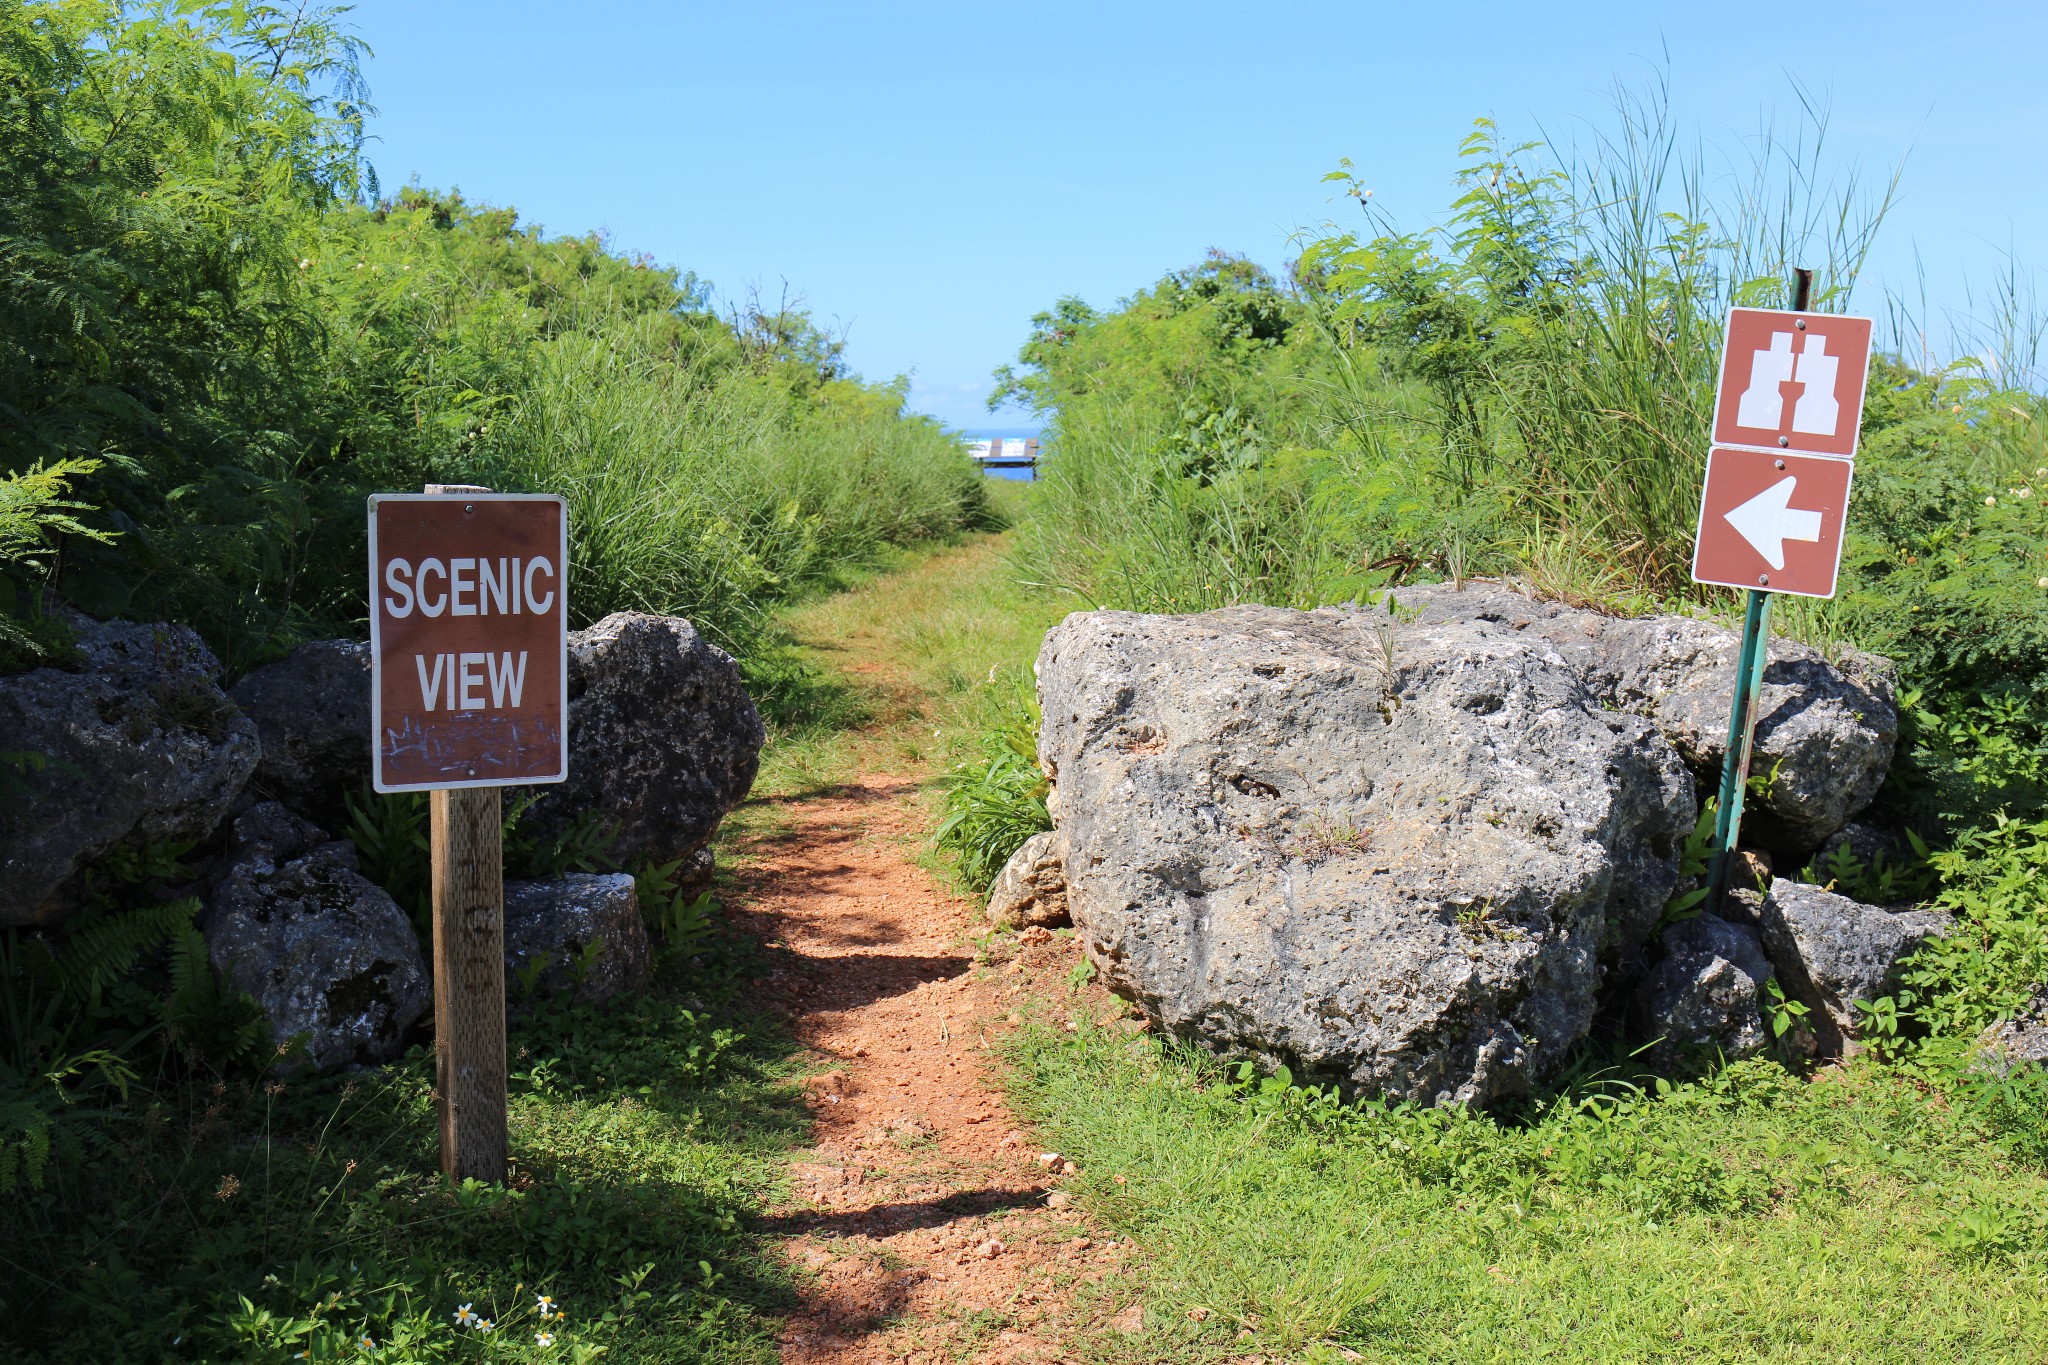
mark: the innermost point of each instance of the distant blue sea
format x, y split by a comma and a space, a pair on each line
1007, 434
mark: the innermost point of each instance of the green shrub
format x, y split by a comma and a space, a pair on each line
996, 801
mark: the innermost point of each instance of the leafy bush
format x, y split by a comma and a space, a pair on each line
216, 330
1997, 955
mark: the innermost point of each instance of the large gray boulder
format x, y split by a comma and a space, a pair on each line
1707, 990
1831, 952
312, 709
137, 744
663, 738
1032, 887
1825, 731
327, 953
581, 932
1393, 856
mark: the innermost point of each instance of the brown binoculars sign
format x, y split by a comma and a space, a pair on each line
468, 638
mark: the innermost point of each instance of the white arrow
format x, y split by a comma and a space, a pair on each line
1768, 520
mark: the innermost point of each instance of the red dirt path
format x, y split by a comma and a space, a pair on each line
921, 1218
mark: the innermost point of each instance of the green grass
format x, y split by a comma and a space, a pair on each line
250, 1220
1753, 1217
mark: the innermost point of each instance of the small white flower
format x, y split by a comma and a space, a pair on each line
543, 1339
464, 1317
369, 1345
1990, 501
544, 1306
305, 265
485, 1325
2041, 582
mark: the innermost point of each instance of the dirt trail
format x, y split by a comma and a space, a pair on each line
922, 1208
925, 1224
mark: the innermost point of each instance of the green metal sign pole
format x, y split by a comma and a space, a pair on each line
1749, 681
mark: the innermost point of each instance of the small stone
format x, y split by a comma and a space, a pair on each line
1198, 1314
1048, 1159
990, 1249
1069, 1168
1058, 1199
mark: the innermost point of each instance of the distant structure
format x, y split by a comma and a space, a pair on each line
1012, 453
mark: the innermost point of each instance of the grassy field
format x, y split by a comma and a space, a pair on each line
1754, 1217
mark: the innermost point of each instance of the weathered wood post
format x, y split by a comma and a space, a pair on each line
467, 831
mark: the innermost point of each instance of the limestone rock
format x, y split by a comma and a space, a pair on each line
1831, 952
2020, 1039
139, 744
1032, 887
561, 920
1391, 855
326, 953
663, 738
312, 709
1706, 992
1825, 731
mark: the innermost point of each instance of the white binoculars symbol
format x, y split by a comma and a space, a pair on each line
1762, 406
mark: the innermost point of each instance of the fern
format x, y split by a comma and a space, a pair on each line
41, 1113
96, 954
209, 1021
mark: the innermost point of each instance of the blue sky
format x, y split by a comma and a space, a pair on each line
927, 176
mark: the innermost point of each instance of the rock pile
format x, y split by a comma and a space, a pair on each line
1411, 852
135, 743
138, 744
329, 956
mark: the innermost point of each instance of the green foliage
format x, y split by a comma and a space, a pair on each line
678, 921
1602, 1222
1996, 957
253, 1218
202, 291
125, 984
390, 832
997, 801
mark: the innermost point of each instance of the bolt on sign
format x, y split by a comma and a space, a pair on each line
1792, 381
468, 639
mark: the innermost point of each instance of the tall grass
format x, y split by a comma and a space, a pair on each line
717, 492
1525, 385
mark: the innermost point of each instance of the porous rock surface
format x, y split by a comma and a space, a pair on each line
1390, 855
326, 952
1032, 887
1825, 731
559, 920
312, 709
1831, 951
2022, 1038
137, 745
663, 738
1707, 989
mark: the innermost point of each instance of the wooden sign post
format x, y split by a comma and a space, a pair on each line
469, 693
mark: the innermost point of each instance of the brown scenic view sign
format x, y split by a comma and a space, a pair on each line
468, 639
